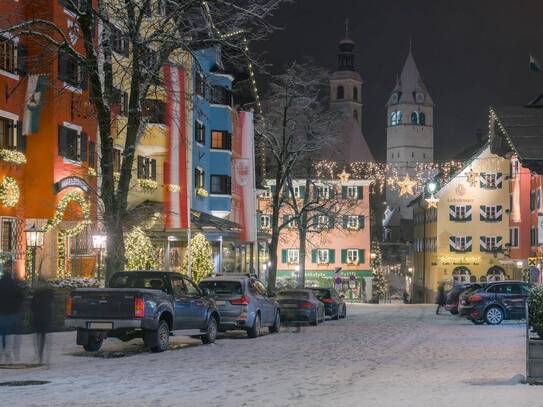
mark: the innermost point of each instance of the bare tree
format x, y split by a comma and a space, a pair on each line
127, 43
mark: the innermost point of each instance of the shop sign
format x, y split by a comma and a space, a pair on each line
460, 260
532, 261
72, 182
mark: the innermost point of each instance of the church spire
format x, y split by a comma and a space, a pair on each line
345, 59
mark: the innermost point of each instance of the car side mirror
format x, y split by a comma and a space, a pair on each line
205, 292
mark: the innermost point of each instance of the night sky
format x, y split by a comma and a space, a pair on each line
471, 53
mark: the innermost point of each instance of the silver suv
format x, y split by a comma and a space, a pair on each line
243, 303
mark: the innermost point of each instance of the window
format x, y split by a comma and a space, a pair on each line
199, 133
146, 168
70, 71
490, 180
415, 118
353, 192
490, 211
69, 5
8, 139
92, 154
178, 287
72, 144
323, 221
154, 111
8, 235
324, 192
513, 237
8, 55
355, 94
355, 115
290, 221
533, 236
323, 256
340, 93
221, 96
199, 178
459, 213
514, 168
461, 242
80, 244
192, 290
116, 160
491, 243
395, 118
221, 184
352, 256
538, 198
119, 41
221, 140
265, 221
120, 98
293, 256
422, 118
352, 222
200, 85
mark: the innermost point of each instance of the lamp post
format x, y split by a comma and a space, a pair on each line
34, 239
99, 243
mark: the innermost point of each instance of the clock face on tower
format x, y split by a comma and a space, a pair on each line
419, 97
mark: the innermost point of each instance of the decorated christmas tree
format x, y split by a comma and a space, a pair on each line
140, 253
376, 263
201, 258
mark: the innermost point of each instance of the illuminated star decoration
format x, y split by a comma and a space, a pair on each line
407, 185
344, 176
471, 177
432, 202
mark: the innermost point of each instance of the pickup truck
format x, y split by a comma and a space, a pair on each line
142, 304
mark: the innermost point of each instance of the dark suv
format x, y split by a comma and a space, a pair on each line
495, 302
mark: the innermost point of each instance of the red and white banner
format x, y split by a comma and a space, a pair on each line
176, 183
243, 165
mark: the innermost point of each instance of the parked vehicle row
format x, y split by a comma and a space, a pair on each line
490, 302
152, 305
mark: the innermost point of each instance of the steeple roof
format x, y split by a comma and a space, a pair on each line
409, 84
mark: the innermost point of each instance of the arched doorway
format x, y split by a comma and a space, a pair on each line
495, 273
461, 275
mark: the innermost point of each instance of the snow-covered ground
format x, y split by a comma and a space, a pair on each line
381, 355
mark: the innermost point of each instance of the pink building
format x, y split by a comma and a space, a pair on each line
339, 239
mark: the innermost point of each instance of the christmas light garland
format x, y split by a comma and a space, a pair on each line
12, 156
147, 185
9, 192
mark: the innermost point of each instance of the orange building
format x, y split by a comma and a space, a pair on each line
339, 239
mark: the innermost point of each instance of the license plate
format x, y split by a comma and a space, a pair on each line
220, 302
100, 325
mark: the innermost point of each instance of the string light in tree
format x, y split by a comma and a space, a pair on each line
9, 192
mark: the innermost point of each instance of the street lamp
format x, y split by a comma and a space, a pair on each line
34, 239
99, 243
432, 187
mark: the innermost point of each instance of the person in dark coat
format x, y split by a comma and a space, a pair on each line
440, 299
11, 300
42, 315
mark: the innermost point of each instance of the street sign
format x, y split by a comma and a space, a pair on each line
532, 261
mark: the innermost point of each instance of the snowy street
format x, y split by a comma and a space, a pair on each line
381, 355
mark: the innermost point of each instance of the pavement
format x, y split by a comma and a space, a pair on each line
381, 355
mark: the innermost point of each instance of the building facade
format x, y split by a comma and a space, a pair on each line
464, 238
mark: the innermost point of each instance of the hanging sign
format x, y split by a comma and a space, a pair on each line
72, 182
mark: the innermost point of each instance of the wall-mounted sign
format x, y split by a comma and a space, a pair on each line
72, 182
460, 260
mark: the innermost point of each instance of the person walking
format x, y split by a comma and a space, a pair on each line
440, 299
42, 315
11, 300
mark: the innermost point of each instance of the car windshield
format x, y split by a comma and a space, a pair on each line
321, 294
294, 294
222, 287
138, 280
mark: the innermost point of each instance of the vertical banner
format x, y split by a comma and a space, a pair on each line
176, 180
244, 176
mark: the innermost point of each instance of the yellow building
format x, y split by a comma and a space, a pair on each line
464, 237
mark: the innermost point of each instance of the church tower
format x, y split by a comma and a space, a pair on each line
410, 138
346, 95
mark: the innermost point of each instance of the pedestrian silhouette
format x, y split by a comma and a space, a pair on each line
42, 316
440, 298
11, 299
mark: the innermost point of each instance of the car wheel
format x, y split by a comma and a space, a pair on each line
93, 345
336, 317
162, 337
494, 316
254, 331
211, 332
276, 327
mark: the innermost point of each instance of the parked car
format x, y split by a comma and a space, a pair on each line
301, 305
463, 306
334, 305
496, 302
453, 296
141, 304
243, 303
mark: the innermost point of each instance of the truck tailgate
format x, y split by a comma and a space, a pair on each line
103, 303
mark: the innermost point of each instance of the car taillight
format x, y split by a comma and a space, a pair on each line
243, 300
139, 307
474, 298
307, 304
327, 300
69, 306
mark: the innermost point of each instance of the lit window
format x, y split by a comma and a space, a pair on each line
265, 221
323, 256
8, 55
324, 192
352, 222
293, 256
352, 256
8, 139
395, 118
221, 140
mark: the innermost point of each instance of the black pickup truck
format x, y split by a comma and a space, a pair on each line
142, 304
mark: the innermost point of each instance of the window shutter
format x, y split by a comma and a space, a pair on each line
284, 256
140, 166
92, 154
344, 256
21, 139
331, 255
302, 191
345, 221
62, 141
344, 192
360, 192
84, 142
331, 222
273, 188
228, 185
361, 256
332, 191
153, 169
21, 59
228, 137
361, 221
313, 255
286, 219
